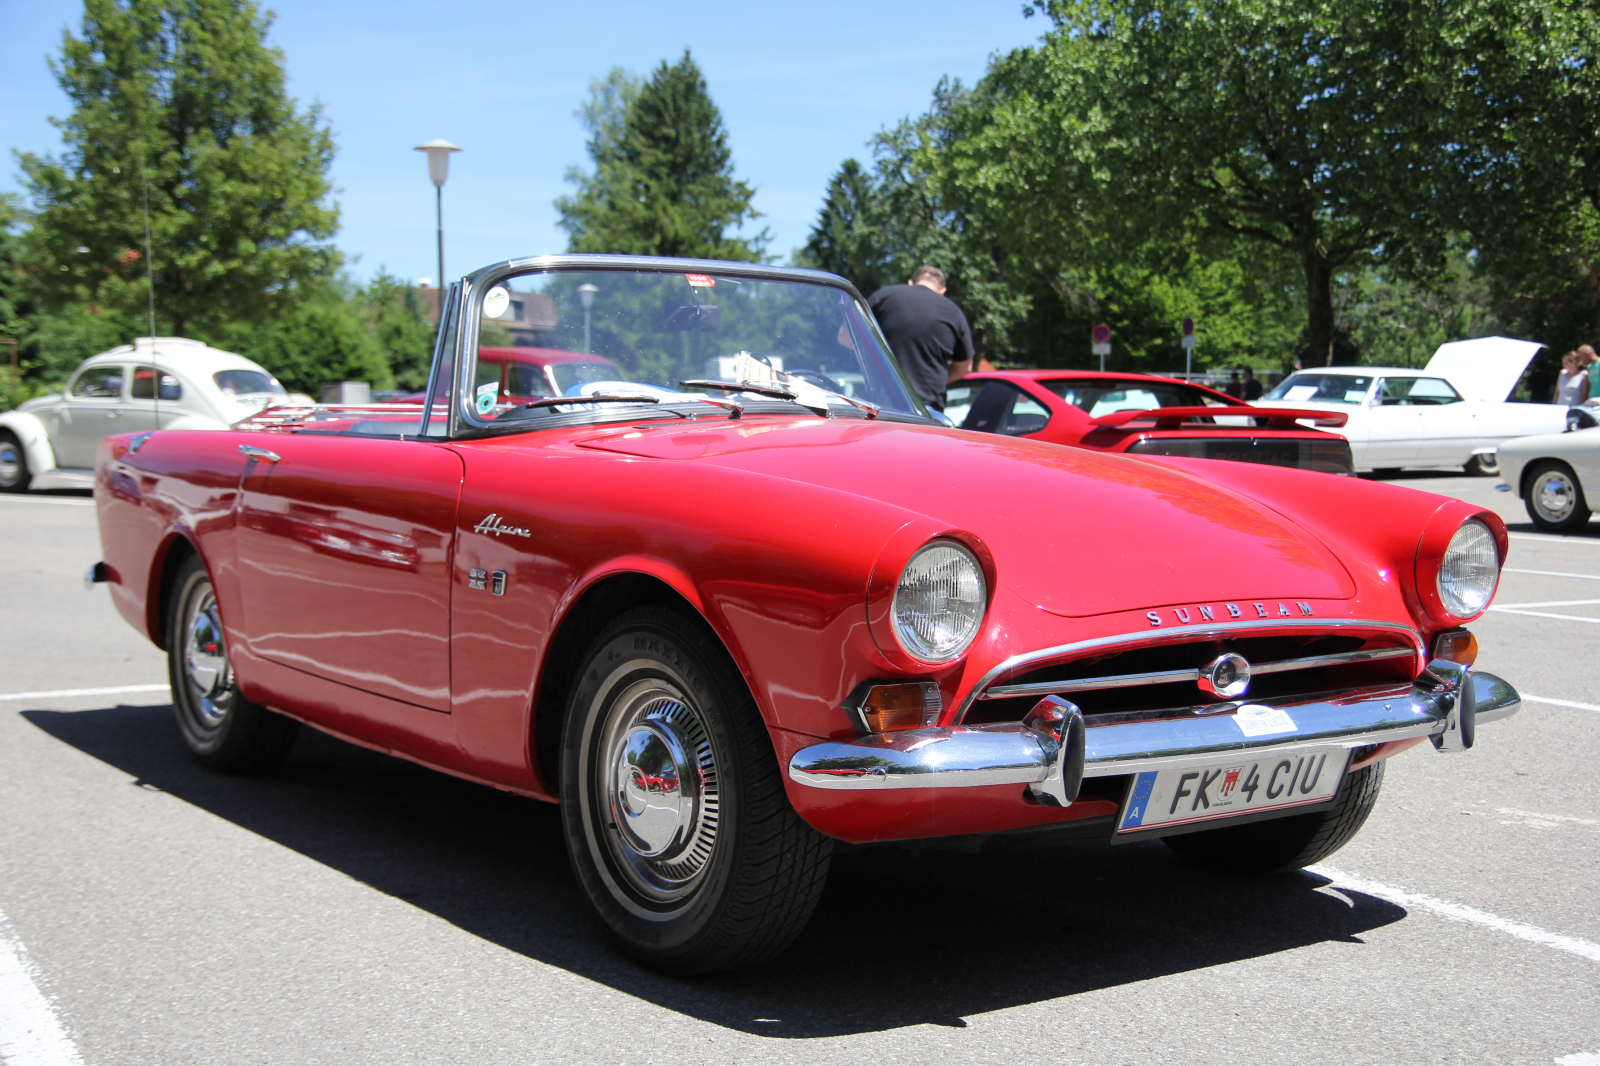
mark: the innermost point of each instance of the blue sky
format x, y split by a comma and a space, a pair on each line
801, 87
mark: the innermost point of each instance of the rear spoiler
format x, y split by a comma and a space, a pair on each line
1266, 417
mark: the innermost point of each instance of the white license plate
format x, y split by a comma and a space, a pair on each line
1241, 785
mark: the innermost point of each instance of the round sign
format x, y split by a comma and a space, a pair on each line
1188, 327
495, 302
1101, 333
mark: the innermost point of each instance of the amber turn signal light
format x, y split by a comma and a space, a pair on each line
1456, 646
881, 708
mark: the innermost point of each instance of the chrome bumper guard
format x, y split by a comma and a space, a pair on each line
1056, 745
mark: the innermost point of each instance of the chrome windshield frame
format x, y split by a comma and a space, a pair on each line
464, 420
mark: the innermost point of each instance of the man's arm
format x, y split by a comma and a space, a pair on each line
958, 371
961, 365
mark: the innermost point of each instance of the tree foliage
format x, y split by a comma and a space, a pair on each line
663, 181
182, 101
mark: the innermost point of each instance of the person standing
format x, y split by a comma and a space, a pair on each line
926, 331
1252, 387
1572, 388
1234, 387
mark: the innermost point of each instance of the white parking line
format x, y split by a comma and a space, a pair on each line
30, 1033
1582, 1058
1550, 538
58, 500
1550, 573
55, 693
1546, 614
1461, 913
1561, 703
1547, 603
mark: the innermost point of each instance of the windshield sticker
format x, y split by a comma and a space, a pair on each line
495, 302
702, 281
488, 393
747, 367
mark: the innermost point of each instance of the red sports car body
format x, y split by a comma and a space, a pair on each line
726, 623
1144, 415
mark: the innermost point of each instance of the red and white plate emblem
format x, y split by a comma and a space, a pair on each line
1230, 781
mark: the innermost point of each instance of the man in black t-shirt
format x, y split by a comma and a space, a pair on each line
1252, 387
927, 333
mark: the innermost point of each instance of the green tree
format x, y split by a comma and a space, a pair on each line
850, 236
399, 325
183, 101
663, 179
323, 337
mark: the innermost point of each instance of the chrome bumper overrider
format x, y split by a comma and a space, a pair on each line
1056, 746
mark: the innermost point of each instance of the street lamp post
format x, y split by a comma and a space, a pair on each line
439, 169
586, 297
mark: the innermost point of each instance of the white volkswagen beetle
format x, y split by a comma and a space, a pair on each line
1450, 414
50, 442
1550, 473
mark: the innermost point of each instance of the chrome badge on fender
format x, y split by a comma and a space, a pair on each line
494, 525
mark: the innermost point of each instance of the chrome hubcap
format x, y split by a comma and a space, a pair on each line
205, 659
1554, 496
10, 464
659, 779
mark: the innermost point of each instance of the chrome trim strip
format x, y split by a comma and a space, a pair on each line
1013, 753
1172, 636
1093, 684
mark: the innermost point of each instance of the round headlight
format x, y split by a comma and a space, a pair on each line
1469, 570
939, 602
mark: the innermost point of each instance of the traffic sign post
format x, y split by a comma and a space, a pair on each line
1101, 346
1188, 347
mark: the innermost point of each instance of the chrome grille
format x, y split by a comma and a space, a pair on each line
1146, 671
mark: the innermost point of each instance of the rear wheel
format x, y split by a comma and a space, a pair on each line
1555, 497
223, 730
1284, 844
1483, 465
677, 823
14, 472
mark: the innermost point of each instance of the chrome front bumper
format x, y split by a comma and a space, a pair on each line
1056, 746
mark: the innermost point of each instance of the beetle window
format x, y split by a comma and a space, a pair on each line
624, 332
99, 383
247, 383
144, 385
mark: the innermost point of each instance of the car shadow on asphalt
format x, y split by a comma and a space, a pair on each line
901, 938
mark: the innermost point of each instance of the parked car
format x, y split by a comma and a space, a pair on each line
50, 442
1453, 413
1553, 473
727, 623
1143, 415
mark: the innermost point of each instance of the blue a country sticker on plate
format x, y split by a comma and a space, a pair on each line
1139, 800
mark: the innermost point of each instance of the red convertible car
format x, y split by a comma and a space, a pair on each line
726, 623
1144, 415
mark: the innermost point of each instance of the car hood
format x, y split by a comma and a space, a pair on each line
1074, 531
1487, 368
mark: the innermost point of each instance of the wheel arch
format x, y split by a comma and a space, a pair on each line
174, 550
30, 433
1525, 476
588, 611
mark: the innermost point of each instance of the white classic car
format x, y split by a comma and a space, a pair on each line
49, 442
1451, 413
1549, 472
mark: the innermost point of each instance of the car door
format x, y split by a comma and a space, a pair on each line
88, 414
1001, 407
1447, 426
344, 547
1393, 427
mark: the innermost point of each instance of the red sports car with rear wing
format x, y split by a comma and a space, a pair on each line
1144, 415
725, 623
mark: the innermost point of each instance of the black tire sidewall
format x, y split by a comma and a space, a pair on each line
1580, 512
637, 638
9, 440
204, 741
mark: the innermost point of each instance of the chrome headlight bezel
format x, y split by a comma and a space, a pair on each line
1469, 570
909, 621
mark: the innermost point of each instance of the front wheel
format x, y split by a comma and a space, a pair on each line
223, 730
1483, 465
14, 472
676, 820
1555, 498
1284, 844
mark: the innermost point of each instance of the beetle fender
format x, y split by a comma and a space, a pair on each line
30, 433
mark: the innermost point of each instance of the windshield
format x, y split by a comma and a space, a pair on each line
246, 383
1099, 396
1322, 388
643, 333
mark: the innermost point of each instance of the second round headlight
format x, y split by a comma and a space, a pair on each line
939, 602
1469, 571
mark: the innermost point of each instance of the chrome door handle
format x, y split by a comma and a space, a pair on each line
259, 453
113, 414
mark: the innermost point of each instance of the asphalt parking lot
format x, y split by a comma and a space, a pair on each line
353, 908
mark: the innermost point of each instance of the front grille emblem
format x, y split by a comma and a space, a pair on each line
1226, 677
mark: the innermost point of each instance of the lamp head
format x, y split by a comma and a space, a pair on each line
586, 295
438, 159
